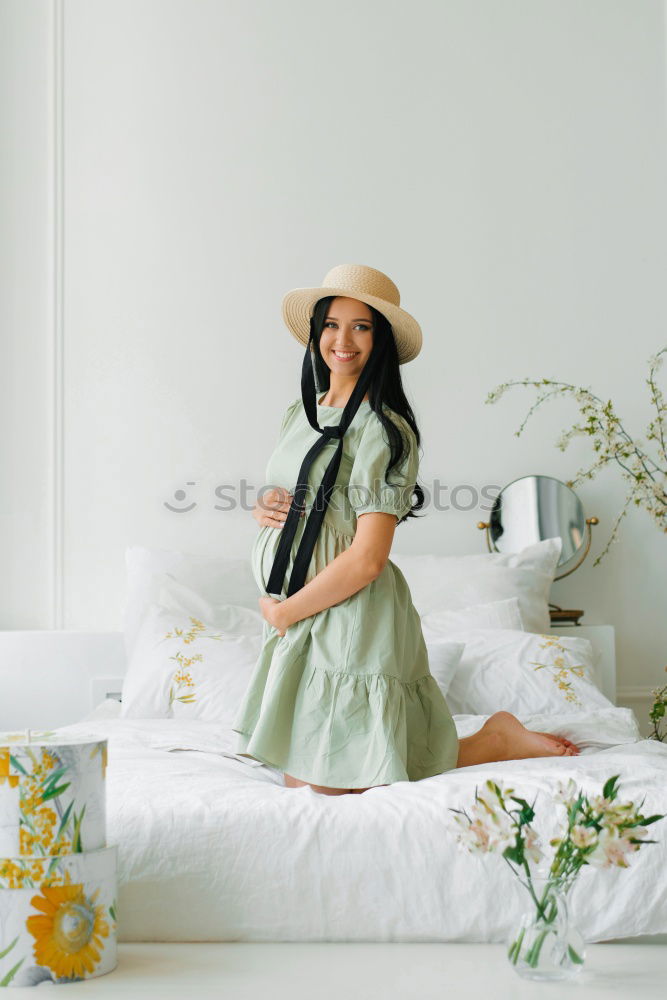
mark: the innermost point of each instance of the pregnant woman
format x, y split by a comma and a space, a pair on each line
341, 697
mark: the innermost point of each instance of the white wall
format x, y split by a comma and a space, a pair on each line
504, 163
27, 312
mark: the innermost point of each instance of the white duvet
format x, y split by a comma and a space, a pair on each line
213, 847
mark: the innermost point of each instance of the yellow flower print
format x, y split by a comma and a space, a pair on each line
13, 779
11, 874
102, 749
45, 826
68, 930
26, 873
560, 669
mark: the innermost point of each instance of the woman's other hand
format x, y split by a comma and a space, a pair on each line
269, 607
272, 507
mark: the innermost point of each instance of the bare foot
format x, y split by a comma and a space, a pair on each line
519, 743
562, 740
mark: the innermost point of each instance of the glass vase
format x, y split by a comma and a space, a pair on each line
546, 944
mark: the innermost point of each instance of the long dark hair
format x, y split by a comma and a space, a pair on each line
385, 389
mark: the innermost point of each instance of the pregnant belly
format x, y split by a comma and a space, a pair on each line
328, 545
263, 552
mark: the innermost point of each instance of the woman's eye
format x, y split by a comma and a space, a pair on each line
360, 326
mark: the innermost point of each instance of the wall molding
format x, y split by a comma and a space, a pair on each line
635, 692
56, 350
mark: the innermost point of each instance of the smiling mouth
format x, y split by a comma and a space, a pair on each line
345, 355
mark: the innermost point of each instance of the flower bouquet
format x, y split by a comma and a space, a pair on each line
600, 831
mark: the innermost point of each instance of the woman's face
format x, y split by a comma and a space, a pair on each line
346, 340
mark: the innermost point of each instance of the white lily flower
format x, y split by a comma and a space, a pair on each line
487, 829
583, 836
618, 812
566, 793
497, 828
472, 835
531, 846
611, 849
600, 804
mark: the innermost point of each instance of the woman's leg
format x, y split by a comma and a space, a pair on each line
503, 737
291, 782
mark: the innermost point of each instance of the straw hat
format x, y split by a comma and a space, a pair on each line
355, 281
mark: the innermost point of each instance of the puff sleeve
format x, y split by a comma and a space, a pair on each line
368, 489
287, 415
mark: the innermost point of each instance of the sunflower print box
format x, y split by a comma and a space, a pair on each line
58, 879
57, 917
52, 795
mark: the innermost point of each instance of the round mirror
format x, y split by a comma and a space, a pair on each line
534, 508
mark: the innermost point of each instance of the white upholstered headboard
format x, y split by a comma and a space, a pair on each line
54, 678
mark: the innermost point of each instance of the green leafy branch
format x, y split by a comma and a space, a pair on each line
611, 442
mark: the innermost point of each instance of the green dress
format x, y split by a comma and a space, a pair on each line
345, 698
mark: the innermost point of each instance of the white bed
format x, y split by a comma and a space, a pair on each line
215, 848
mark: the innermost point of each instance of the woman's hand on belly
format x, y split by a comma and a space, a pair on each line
272, 508
269, 607
350, 571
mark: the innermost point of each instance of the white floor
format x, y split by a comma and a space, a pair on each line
358, 971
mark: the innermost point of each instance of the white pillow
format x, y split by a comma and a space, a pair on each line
495, 614
177, 597
523, 673
183, 667
437, 626
439, 583
216, 579
443, 656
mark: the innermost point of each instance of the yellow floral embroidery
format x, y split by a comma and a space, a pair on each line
560, 669
182, 683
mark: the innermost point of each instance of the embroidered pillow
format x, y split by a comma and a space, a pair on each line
183, 667
211, 580
523, 673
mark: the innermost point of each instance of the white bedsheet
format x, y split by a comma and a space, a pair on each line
213, 847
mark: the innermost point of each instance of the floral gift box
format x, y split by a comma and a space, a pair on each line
52, 795
57, 917
58, 879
